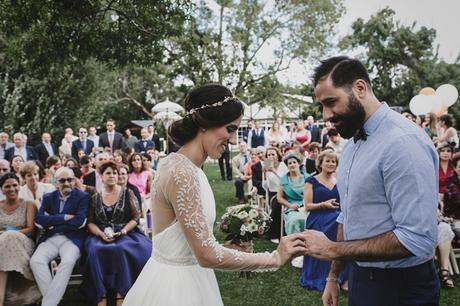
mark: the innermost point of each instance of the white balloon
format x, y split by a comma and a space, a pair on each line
436, 103
421, 104
448, 94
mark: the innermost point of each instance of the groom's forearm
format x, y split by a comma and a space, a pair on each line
385, 246
337, 265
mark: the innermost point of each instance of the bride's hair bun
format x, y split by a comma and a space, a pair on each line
184, 130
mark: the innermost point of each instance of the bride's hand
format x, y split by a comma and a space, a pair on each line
290, 246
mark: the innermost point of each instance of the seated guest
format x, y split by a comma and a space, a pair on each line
17, 284
274, 169
451, 207
139, 176
445, 151
119, 157
4, 168
256, 170
16, 161
335, 141
117, 250
147, 163
71, 163
155, 158
444, 246
33, 190
51, 165
239, 163
62, 216
321, 199
94, 178
123, 170
86, 166
145, 143
290, 195
310, 162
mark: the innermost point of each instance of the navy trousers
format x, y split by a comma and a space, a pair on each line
418, 285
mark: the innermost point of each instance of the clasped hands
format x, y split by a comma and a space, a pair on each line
307, 243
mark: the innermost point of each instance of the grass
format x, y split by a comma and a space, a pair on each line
271, 288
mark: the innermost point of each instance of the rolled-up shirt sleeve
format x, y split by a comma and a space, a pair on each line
412, 193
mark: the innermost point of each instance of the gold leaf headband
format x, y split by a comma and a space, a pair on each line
217, 104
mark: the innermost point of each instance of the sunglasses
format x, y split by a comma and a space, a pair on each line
83, 132
63, 180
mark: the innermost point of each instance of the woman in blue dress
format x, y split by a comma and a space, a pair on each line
290, 195
321, 199
116, 249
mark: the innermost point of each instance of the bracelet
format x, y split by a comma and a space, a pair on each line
333, 279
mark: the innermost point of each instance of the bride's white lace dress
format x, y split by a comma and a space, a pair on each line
180, 270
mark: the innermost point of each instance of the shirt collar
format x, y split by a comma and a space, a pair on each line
376, 118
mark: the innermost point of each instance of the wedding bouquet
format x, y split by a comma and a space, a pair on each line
244, 222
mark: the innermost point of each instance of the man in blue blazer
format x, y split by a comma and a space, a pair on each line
20, 148
82, 143
62, 218
144, 144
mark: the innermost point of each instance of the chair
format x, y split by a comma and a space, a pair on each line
453, 265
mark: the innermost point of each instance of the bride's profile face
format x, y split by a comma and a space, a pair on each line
215, 139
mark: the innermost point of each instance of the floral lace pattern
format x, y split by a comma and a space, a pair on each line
183, 189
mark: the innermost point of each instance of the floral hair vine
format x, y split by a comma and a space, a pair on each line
217, 104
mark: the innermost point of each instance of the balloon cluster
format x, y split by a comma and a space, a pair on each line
434, 101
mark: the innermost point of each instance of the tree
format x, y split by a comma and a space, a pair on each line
61, 60
401, 60
245, 44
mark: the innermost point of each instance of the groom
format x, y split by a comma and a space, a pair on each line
389, 192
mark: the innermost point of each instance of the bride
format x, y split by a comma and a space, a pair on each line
185, 252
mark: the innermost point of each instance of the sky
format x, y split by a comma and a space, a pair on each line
442, 15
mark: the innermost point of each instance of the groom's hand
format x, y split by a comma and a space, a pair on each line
318, 245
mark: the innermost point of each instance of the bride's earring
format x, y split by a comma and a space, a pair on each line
203, 130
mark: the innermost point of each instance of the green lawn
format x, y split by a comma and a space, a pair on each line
271, 288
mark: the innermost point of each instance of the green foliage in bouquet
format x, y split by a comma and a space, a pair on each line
244, 222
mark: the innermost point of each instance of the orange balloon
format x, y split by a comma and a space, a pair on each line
427, 91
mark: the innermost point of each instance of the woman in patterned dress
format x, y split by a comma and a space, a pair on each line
17, 283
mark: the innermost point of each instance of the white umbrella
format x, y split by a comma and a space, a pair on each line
166, 116
167, 106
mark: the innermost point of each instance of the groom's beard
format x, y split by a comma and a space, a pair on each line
353, 119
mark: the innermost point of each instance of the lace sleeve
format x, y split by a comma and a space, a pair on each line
133, 205
183, 191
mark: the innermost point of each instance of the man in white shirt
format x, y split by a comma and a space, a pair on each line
45, 149
111, 138
93, 136
20, 148
257, 137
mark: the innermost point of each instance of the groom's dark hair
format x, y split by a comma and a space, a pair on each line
342, 70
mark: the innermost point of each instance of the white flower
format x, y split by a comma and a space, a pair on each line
252, 227
253, 213
243, 230
242, 215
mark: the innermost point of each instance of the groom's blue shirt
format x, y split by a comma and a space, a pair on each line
390, 183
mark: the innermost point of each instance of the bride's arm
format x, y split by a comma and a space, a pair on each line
183, 191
